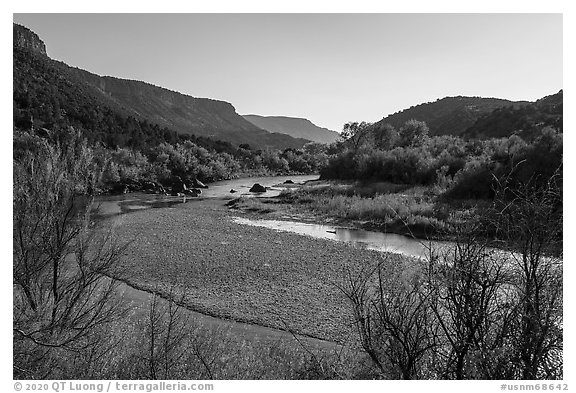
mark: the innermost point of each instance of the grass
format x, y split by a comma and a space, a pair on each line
384, 206
417, 211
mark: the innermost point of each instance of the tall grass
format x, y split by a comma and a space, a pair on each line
379, 204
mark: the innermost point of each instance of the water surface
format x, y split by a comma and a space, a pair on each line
386, 242
113, 205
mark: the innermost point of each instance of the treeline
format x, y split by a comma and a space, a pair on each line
125, 168
463, 168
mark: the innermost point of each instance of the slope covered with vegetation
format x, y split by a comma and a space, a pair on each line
52, 101
449, 115
88, 98
525, 121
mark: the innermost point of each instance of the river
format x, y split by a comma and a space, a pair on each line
387, 242
110, 207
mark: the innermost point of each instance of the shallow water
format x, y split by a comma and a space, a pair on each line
386, 242
113, 205
108, 206
242, 186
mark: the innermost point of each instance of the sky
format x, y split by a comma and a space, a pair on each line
328, 68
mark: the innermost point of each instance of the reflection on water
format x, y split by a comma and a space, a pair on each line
242, 186
379, 241
108, 206
113, 205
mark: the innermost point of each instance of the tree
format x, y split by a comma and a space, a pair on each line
413, 133
385, 136
528, 219
356, 134
393, 320
61, 264
471, 310
466, 288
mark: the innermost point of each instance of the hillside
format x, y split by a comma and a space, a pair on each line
450, 115
295, 127
524, 121
58, 86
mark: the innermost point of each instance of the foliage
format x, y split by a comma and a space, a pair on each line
527, 120
413, 133
61, 266
464, 169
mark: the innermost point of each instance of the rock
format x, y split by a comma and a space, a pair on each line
258, 188
160, 189
154, 187
148, 186
193, 192
27, 39
232, 191
133, 185
198, 184
288, 182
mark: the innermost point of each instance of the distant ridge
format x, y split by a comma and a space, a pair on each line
449, 115
484, 118
295, 127
525, 121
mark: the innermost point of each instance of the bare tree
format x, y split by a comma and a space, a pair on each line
472, 310
392, 318
61, 265
466, 288
528, 217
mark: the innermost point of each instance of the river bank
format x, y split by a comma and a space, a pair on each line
412, 211
231, 271
237, 268
238, 272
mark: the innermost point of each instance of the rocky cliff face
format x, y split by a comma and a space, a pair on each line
27, 39
185, 114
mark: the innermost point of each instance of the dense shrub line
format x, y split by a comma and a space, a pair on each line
129, 168
464, 168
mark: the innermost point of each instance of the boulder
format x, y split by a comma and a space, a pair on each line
148, 186
193, 192
258, 188
154, 187
160, 189
288, 182
133, 185
232, 191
